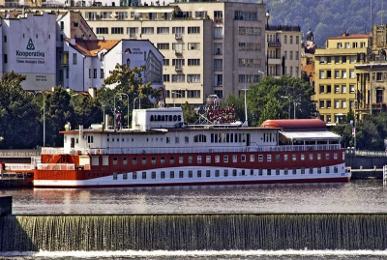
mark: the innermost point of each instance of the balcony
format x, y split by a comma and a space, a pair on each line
274, 44
178, 36
179, 52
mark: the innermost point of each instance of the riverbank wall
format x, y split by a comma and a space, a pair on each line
193, 232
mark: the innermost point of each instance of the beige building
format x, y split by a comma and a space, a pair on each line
283, 50
335, 77
209, 47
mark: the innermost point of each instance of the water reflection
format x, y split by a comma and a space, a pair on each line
357, 196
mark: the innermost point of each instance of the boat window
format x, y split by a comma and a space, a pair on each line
177, 140
144, 175
234, 158
252, 157
162, 160
72, 142
199, 173
286, 157
234, 172
186, 139
294, 171
162, 175
115, 161
114, 176
190, 159
202, 138
319, 156
134, 175
335, 156
199, 159
302, 171
268, 172
143, 161
243, 158
217, 158
208, 173
343, 156
167, 140
327, 169
105, 160
153, 175
277, 172
217, 173
336, 169
286, 172
181, 174
311, 156
190, 174
277, 157
243, 172
153, 160
260, 172
181, 159
319, 170
125, 176
294, 157
134, 161
260, 158
310, 170
251, 172
95, 160
172, 160
225, 158
327, 156
225, 173
171, 174
125, 161
208, 158
269, 158
302, 157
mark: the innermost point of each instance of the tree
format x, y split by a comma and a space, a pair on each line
59, 111
189, 113
87, 110
19, 125
276, 98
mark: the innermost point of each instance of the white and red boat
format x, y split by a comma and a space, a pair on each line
160, 150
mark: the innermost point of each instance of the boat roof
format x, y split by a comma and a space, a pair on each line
310, 135
294, 124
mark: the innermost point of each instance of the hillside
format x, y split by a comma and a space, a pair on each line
328, 17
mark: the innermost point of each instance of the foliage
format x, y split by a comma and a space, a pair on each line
19, 125
237, 103
326, 17
190, 116
276, 98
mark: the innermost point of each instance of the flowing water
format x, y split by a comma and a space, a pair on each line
356, 196
302, 234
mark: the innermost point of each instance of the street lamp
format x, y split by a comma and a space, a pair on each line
114, 105
43, 115
139, 102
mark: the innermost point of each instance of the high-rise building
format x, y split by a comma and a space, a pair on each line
283, 50
335, 76
208, 47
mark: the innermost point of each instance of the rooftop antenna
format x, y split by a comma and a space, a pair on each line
381, 14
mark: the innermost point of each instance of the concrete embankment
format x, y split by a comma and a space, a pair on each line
193, 232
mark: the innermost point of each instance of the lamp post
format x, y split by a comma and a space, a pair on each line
43, 115
139, 102
174, 93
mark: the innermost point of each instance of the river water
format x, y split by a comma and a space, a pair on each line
356, 196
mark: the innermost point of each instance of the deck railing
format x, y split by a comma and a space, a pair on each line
56, 166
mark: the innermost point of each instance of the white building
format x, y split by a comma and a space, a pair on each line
28, 47
90, 62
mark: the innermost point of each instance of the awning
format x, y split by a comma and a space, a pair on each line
311, 135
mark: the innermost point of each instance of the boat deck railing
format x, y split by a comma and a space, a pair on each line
224, 149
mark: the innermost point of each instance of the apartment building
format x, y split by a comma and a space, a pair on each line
208, 47
335, 76
283, 50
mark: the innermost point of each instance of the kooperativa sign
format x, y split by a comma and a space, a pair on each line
30, 55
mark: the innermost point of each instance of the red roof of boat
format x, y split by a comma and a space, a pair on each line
295, 124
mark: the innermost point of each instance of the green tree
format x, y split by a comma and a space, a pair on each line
276, 98
87, 110
19, 125
59, 111
189, 113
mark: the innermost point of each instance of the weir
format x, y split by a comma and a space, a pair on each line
193, 232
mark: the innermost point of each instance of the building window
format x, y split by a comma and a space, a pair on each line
193, 78
5, 58
95, 73
193, 29
193, 46
102, 30
166, 78
163, 46
193, 62
147, 30
162, 30
102, 74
